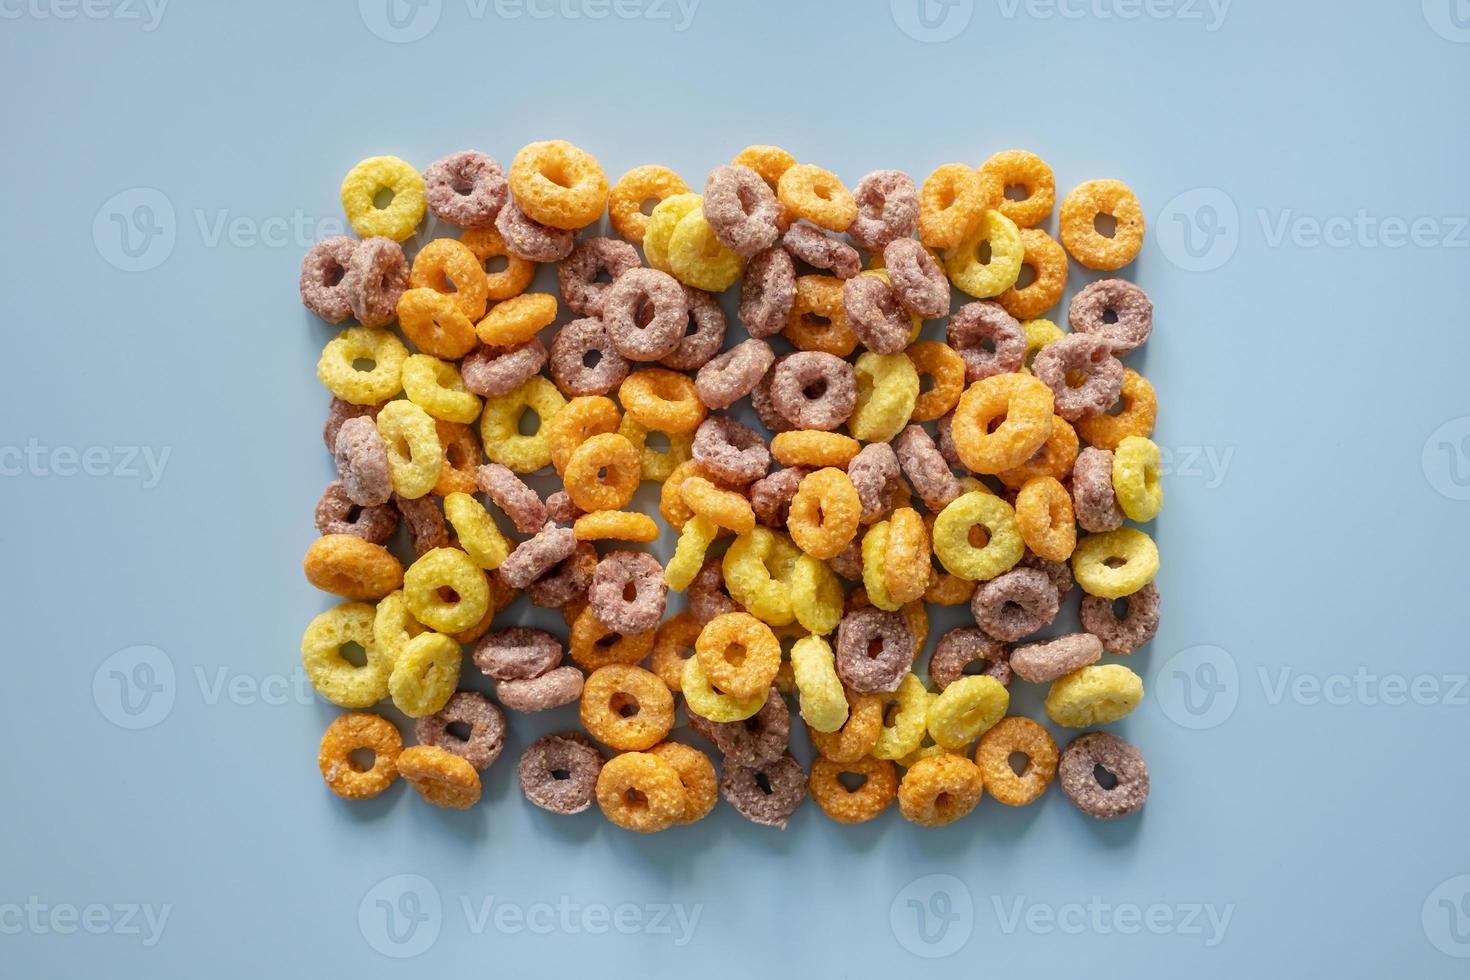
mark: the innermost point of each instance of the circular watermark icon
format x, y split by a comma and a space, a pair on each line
1199, 230
401, 916
1446, 459
134, 230
933, 916
1198, 687
1450, 19
135, 687
400, 21
932, 21
1446, 917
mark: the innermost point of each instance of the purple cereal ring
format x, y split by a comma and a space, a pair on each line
619, 574
1044, 662
848, 562
770, 496
493, 371
707, 595
758, 740
917, 279
323, 274
765, 408
703, 336
875, 316
875, 649
584, 360
536, 556
1092, 491
362, 462
376, 277
988, 339
567, 581
726, 379
1089, 354
646, 313
337, 413
1059, 572
821, 250
767, 795
874, 474
814, 389
961, 647
517, 654
731, 451
486, 723
887, 209
741, 209
425, 523
1015, 604
556, 687
592, 258
1077, 774
529, 239
1116, 310
337, 514
559, 772
466, 189
926, 468
1139, 623
510, 493
767, 292
559, 508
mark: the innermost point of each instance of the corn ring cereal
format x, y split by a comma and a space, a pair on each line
887, 389
738, 654
349, 733
755, 565
657, 464
662, 221
500, 425
767, 292
698, 533
887, 210
626, 708
615, 525
627, 591
917, 278
905, 730
642, 792
331, 674
817, 317
816, 595
768, 161
1126, 788
1053, 460
671, 503
484, 738
425, 584
905, 556
1116, 310
855, 737
338, 372
435, 324
982, 279
1095, 695
634, 189
1080, 210
663, 400
1007, 737
878, 789
580, 419
415, 456
1017, 168
713, 705
874, 548
446, 265
517, 319
952, 537
1048, 262
724, 508
558, 184
372, 176
425, 675
965, 709
940, 362
346, 565
593, 645
1136, 479
1045, 518
951, 201
817, 195
1092, 562
603, 473
437, 388
823, 701
1136, 417
822, 250
440, 776
824, 513
696, 775
940, 789
673, 644
1023, 407
487, 243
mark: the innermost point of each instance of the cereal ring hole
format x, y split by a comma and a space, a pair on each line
383, 197
1105, 224
529, 423
447, 595
624, 705
852, 781
364, 364
1026, 276
764, 782
362, 759
1017, 192
1104, 777
1019, 762
496, 264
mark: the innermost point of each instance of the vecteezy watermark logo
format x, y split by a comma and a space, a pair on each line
148, 12
933, 916
1446, 917
1210, 13
1446, 459
34, 459
1199, 230
1198, 687
403, 21
134, 230
401, 916
1205, 921
39, 918
134, 688
932, 21
1450, 19
400, 21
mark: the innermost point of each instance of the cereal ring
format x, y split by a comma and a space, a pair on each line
322, 281
671, 501
1015, 604
703, 335
500, 425
755, 566
1139, 623
425, 523
966, 709
1095, 695
1116, 310
663, 400
759, 740
765, 409
626, 708
578, 274
559, 773
1092, 491
817, 195
727, 378
940, 789
731, 451
462, 455
437, 388
518, 653
1008, 737
817, 320
767, 795
1047, 261
985, 278
594, 645
584, 360
1078, 222
1135, 553
1053, 460
698, 259
887, 387
620, 573
567, 581
1044, 516
770, 496
558, 184
366, 181
485, 739
706, 702
1017, 168
331, 674
516, 500
664, 218
950, 203
672, 646
696, 774
816, 595
767, 293
466, 189
446, 571
988, 340
858, 735
905, 556
348, 566
362, 462
338, 412
615, 525
1136, 479
823, 701
918, 281
517, 319
336, 513
741, 209
337, 370
874, 314
1021, 404
579, 420
528, 239
688, 558
504, 283
1042, 663
425, 675
536, 556
1092, 357
926, 469
442, 778
1137, 409
476, 530
821, 250
412, 443
353, 732
446, 265
878, 788
961, 647
874, 650
376, 277
887, 209
435, 324
768, 161
392, 627
657, 464
824, 513
635, 189
873, 473
1126, 789
947, 368
556, 687
815, 390
757, 654
952, 537
723, 508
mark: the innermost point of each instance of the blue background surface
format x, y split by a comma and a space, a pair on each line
1307, 701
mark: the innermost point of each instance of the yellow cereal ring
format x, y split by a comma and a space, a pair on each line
1020, 403
1048, 262
811, 447
450, 570
905, 731
887, 388
817, 195
823, 703
1053, 459
477, 531
642, 792
434, 324
337, 368
426, 674
696, 773
874, 547
1011, 735
603, 473
348, 566
672, 645
951, 201
558, 184
990, 278
440, 777
1045, 517
635, 189
856, 736
664, 218
366, 181
1136, 416
352, 732
662, 399
500, 425
1017, 168
1039, 333
724, 508
965, 709
768, 161
818, 317
517, 320
1136, 478
824, 513
1095, 695
393, 627
436, 387
698, 533
615, 525
816, 595
510, 281
446, 265
580, 419
697, 258
414, 453
905, 556
755, 567
657, 463
331, 674
939, 790
952, 543
758, 654
712, 705
1077, 223
853, 806
947, 368
1134, 549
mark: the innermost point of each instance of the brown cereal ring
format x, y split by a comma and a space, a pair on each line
516, 500
818, 320
739, 653
944, 438
1078, 223
425, 523
939, 789
559, 773
641, 792
926, 469
879, 787
488, 245
1054, 459
567, 581
556, 687
346, 565
1015, 604
887, 210
483, 742
821, 250
817, 195
939, 362
517, 653
767, 795
961, 647
646, 313
626, 708
767, 292
1017, 168
446, 265
848, 562
874, 315
349, 733
528, 239
323, 274
696, 773
1044, 662
703, 336
537, 555
758, 740
558, 184
707, 595
1089, 354
815, 390
433, 322
952, 198
337, 514
579, 275
987, 338
765, 409
1123, 763
663, 400
462, 454
808, 447
628, 592
917, 279
439, 776
725, 379
1044, 516
741, 209
673, 644
362, 462
559, 508
376, 277
874, 650
584, 360
824, 515
1137, 410
338, 412
1048, 262
1059, 572
580, 419
874, 475
1093, 498
1004, 739
1022, 406
466, 189
633, 190
731, 451
858, 735
1139, 623
605, 457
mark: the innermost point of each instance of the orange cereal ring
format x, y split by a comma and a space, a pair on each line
1054, 458
810, 447
440, 776
615, 525
670, 501
1022, 406
858, 735
672, 645
487, 244
724, 508
906, 560
1048, 261
1080, 211
558, 184
1136, 416
1044, 515
661, 399
462, 458
349, 733
939, 362
626, 708
879, 787
818, 317
446, 265
635, 189
1017, 168
348, 566
824, 513
580, 419
951, 200
603, 473
696, 773
516, 320
434, 323
739, 654
816, 195
642, 792
939, 789
1005, 738
592, 645
768, 161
